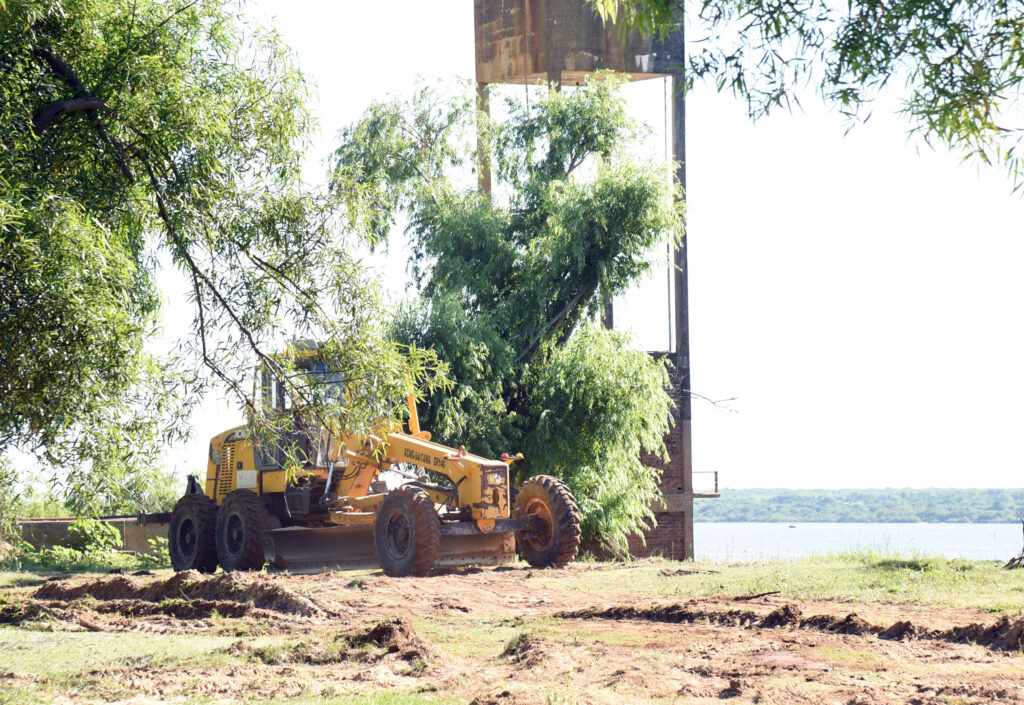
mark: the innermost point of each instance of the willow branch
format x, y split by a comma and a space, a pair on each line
49, 114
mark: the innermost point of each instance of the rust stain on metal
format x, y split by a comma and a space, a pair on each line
533, 40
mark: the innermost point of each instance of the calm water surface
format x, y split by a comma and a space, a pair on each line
738, 541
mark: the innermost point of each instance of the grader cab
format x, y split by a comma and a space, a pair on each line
360, 501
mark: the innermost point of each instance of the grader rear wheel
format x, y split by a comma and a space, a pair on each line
547, 504
241, 524
407, 533
190, 539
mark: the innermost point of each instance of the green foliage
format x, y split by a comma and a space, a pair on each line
507, 282
600, 403
64, 559
91, 545
475, 409
37, 501
10, 502
159, 555
92, 548
960, 63
865, 505
89, 535
141, 132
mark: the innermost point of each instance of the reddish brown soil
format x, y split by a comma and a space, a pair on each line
506, 636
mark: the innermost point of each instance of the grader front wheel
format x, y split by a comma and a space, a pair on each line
407, 533
550, 511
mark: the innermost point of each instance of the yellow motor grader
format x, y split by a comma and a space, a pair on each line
342, 511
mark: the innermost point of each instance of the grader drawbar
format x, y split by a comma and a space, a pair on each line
346, 510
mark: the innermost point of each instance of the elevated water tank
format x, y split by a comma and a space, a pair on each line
561, 41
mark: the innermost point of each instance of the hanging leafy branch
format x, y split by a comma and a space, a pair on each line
956, 67
145, 130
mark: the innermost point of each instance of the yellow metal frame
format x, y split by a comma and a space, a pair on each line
482, 485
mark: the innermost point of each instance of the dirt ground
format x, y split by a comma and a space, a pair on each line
506, 636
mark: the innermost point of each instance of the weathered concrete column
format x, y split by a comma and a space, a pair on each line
682, 323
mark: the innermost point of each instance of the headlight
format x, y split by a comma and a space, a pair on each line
215, 457
495, 478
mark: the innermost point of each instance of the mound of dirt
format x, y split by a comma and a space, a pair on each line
524, 649
257, 589
179, 609
668, 613
1006, 634
119, 587
900, 631
394, 636
18, 612
785, 616
850, 624
734, 690
237, 588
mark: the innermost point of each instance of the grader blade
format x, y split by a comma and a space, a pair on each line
302, 550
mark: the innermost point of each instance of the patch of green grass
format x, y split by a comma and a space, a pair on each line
467, 636
495, 637
277, 652
513, 644
18, 578
569, 632
10, 695
62, 654
851, 658
844, 577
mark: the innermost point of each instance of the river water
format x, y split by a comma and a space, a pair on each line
745, 541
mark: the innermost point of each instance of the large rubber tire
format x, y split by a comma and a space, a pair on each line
557, 540
241, 524
407, 533
190, 537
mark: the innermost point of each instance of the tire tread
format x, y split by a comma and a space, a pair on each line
428, 532
205, 510
566, 516
257, 522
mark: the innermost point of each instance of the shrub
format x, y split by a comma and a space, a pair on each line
93, 536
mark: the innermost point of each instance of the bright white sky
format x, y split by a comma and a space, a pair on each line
859, 298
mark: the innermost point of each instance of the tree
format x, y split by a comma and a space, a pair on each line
146, 130
961, 63
9, 501
509, 284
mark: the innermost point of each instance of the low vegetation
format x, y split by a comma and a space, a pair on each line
865, 505
841, 577
91, 546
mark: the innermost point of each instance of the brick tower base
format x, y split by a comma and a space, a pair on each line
674, 518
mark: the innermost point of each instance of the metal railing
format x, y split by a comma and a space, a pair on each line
707, 472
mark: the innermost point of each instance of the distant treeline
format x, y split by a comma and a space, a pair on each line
934, 505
